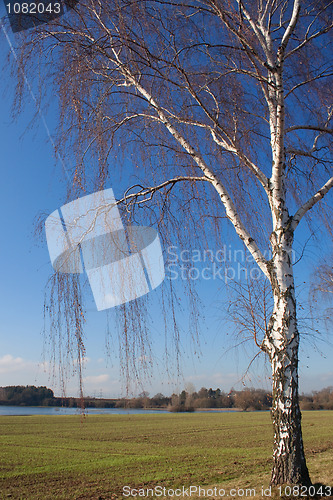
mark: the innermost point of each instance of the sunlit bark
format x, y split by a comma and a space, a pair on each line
282, 343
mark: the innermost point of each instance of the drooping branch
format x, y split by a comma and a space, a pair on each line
298, 152
324, 74
210, 176
319, 195
131, 64
147, 193
325, 130
225, 198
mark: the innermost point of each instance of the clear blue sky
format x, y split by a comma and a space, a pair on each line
32, 182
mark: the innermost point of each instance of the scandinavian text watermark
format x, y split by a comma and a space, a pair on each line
225, 264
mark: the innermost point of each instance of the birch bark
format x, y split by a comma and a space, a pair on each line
281, 344
281, 341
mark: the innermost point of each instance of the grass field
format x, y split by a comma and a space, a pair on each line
63, 457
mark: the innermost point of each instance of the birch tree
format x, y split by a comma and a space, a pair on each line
230, 98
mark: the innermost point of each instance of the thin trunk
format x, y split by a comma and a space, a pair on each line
281, 343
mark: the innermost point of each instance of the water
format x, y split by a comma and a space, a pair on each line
55, 410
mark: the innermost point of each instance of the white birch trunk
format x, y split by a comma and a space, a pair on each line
281, 343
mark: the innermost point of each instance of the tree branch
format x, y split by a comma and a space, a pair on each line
309, 127
307, 38
225, 198
290, 28
318, 77
131, 199
310, 203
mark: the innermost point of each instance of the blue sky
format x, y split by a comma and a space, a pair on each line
32, 182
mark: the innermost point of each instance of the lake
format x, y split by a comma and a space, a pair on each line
56, 410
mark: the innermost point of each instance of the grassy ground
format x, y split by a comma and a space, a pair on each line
46, 457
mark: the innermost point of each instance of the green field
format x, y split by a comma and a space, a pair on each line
69, 457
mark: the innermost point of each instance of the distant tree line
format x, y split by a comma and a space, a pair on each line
319, 400
28, 395
248, 399
185, 401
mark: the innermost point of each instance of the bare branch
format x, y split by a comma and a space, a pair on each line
305, 82
133, 199
243, 39
290, 29
263, 40
220, 188
309, 127
319, 195
318, 33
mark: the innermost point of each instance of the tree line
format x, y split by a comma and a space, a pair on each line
248, 399
28, 395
